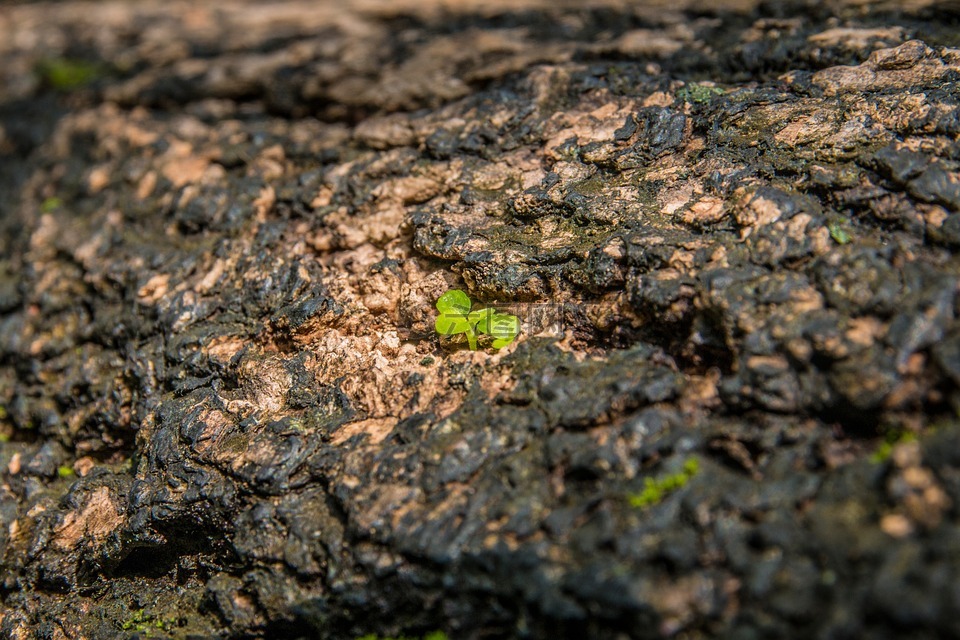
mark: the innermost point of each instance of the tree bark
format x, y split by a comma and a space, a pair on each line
730, 236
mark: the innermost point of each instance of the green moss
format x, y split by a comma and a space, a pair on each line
51, 204
892, 439
65, 471
838, 232
656, 489
433, 635
592, 186
65, 75
143, 622
698, 93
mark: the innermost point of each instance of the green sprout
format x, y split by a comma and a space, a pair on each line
65, 471
503, 327
656, 489
454, 307
456, 317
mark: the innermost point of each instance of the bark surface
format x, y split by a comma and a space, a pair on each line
730, 234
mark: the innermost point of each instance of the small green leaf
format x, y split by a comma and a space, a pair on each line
481, 318
455, 318
504, 328
450, 324
500, 343
454, 301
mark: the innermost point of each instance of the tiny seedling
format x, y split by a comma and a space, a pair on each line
503, 327
456, 317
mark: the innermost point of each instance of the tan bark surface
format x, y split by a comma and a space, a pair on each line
730, 235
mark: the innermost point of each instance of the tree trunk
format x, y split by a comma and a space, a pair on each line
730, 236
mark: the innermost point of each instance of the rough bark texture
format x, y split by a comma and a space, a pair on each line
731, 234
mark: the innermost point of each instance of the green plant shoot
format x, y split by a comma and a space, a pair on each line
503, 327
456, 317
454, 307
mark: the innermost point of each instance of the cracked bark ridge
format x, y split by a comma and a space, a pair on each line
732, 237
